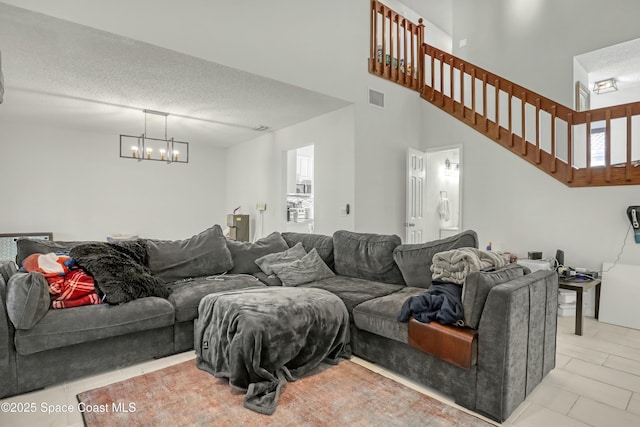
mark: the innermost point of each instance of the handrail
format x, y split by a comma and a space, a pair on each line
389, 49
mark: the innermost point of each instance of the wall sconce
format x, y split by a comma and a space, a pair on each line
604, 86
450, 167
145, 148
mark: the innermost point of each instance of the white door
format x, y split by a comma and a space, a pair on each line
416, 175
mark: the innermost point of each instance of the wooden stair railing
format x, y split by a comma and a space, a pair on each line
403, 40
554, 135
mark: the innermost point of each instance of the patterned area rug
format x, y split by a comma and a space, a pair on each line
343, 395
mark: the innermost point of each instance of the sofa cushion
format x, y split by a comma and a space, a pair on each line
61, 328
477, 286
308, 269
324, 244
204, 254
292, 254
245, 254
366, 256
380, 315
354, 291
186, 296
414, 260
28, 299
26, 246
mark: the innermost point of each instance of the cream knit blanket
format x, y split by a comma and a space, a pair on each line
454, 265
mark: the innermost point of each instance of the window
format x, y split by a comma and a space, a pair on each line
597, 147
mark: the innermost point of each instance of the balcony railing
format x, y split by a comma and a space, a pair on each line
545, 133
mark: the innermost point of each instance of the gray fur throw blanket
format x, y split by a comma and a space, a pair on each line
453, 266
260, 338
119, 270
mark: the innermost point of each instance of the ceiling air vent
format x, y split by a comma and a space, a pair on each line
376, 98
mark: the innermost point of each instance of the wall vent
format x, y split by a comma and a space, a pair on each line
376, 98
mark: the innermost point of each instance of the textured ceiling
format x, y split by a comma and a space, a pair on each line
72, 75
621, 61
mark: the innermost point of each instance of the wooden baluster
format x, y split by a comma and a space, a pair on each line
473, 95
627, 169
442, 79
497, 86
607, 146
379, 66
397, 67
537, 130
510, 116
453, 98
484, 101
569, 147
589, 148
524, 129
392, 52
433, 77
553, 139
405, 33
384, 42
462, 89
418, 66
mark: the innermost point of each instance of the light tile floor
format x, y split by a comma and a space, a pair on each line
596, 383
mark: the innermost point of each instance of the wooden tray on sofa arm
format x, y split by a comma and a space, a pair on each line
453, 344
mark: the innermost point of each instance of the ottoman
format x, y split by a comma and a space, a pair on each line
260, 338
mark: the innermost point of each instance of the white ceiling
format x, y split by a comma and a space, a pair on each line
70, 75
620, 61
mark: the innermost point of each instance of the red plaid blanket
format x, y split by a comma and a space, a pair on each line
68, 287
72, 290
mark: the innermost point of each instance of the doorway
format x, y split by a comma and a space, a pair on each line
300, 190
443, 193
434, 196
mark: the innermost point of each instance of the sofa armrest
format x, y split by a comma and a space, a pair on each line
516, 341
8, 379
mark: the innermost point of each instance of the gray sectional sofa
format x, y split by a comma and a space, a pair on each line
512, 314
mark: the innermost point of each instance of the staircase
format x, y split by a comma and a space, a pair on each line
554, 138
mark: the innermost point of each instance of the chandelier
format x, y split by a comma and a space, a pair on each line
143, 147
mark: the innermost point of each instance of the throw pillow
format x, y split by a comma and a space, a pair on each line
26, 247
476, 289
245, 254
118, 270
308, 269
323, 243
28, 299
414, 260
366, 256
204, 254
8, 269
267, 262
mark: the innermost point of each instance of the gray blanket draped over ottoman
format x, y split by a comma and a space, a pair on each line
260, 338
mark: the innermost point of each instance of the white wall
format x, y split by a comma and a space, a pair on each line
533, 42
507, 201
74, 184
256, 172
291, 42
382, 139
519, 208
